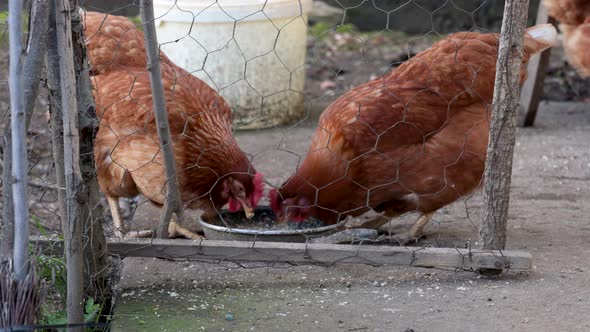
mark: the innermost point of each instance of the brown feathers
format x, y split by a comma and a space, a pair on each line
127, 151
414, 139
574, 19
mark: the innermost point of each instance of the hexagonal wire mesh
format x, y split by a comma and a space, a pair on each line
410, 142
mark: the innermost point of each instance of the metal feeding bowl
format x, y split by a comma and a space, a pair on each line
235, 226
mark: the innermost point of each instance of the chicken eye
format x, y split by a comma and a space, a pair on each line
240, 191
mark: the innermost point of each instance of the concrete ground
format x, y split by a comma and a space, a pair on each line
548, 217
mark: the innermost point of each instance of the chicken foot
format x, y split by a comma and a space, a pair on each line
378, 221
174, 228
415, 232
174, 231
404, 238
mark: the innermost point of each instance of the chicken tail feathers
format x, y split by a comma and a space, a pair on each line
113, 42
540, 37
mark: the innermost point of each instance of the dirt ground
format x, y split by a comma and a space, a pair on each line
548, 217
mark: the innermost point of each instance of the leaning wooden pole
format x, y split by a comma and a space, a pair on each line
73, 230
19, 142
498, 169
173, 203
55, 113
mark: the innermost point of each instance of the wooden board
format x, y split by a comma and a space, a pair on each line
301, 253
532, 90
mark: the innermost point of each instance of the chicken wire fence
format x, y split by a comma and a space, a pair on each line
230, 48
224, 46
412, 145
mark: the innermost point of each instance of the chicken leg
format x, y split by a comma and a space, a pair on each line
415, 232
174, 229
120, 229
403, 238
378, 221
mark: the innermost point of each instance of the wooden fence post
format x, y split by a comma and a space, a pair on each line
498, 169
73, 176
96, 260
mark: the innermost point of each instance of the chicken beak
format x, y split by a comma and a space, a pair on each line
249, 212
248, 209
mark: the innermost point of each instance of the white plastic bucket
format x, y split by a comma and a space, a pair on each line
252, 51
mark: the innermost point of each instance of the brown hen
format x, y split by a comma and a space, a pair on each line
572, 12
412, 140
574, 19
576, 43
212, 169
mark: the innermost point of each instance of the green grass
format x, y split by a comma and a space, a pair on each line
91, 314
52, 271
4, 21
195, 310
4, 28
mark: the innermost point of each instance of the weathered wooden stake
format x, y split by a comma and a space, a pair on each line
173, 203
56, 117
73, 176
498, 169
